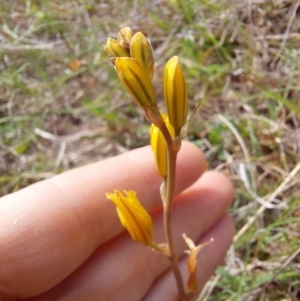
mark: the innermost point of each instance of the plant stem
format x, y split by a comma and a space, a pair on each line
168, 202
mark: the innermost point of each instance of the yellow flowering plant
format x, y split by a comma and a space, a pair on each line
133, 59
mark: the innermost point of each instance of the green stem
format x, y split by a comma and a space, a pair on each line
168, 202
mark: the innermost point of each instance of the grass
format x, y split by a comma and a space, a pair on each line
61, 106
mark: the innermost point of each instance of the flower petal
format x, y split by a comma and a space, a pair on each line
124, 36
136, 81
141, 50
175, 94
133, 216
114, 49
192, 283
159, 147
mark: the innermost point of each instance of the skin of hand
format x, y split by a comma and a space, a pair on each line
62, 240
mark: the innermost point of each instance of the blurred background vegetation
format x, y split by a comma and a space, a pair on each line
61, 106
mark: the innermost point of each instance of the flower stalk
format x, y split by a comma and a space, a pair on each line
168, 202
133, 59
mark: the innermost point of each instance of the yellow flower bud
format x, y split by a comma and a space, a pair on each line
133, 216
114, 49
136, 81
141, 50
175, 94
159, 147
124, 36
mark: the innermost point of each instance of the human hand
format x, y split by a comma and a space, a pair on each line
62, 240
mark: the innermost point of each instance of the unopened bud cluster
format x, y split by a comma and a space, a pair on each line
132, 56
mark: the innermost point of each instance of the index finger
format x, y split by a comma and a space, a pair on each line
48, 229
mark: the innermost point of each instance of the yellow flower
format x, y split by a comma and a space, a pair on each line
175, 94
114, 49
133, 216
136, 81
192, 284
141, 50
124, 36
159, 147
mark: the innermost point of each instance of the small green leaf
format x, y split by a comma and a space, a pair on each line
22, 148
215, 136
